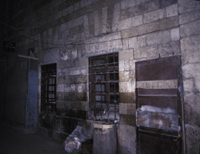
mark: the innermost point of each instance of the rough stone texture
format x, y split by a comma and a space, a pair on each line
158, 84
192, 139
127, 139
190, 49
69, 34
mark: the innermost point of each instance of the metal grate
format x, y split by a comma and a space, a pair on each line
104, 87
48, 88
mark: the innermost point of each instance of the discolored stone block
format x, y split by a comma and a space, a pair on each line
127, 120
127, 97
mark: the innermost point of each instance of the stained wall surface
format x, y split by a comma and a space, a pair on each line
69, 32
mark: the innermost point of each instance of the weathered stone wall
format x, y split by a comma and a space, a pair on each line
189, 21
68, 33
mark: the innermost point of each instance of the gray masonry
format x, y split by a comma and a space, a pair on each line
69, 32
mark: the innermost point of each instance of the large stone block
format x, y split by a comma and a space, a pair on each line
133, 11
126, 139
190, 29
127, 3
171, 48
154, 15
124, 24
137, 20
137, 42
192, 106
192, 138
127, 108
190, 49
127, 86
189, 17
126, 55
188, 6
191, 70
158, 37
146, 52
172, 10
153, 5
188, 85
127, 97
157, 84
164, 3
116, 16
126, 76
169, 23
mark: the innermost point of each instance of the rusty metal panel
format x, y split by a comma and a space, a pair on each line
158, 69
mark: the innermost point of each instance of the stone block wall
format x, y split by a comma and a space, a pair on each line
68, 33
189, 21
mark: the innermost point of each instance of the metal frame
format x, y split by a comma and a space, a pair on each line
48, 87
104, 87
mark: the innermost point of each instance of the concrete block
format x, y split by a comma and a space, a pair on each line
172, 10
126, 55
137, 20
158, 37
154, 15
175, 34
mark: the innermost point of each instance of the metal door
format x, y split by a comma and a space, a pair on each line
158, 106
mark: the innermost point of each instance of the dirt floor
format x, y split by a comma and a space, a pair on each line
21, 141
